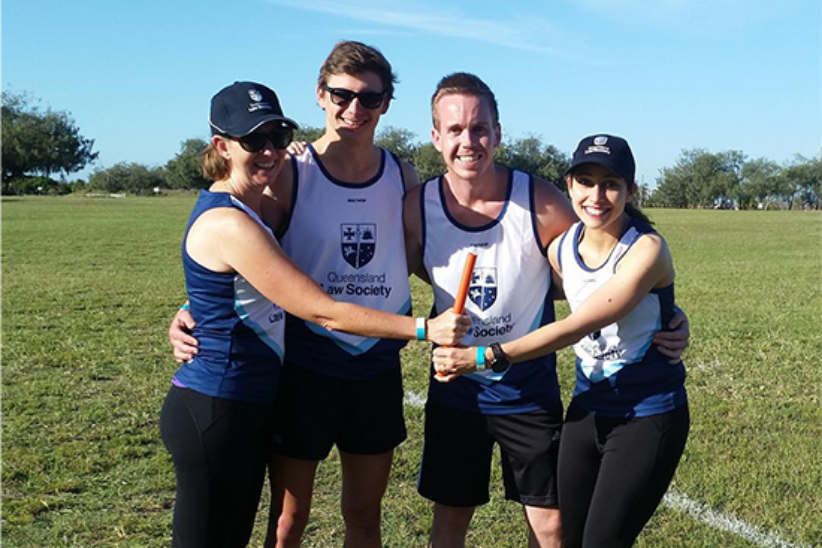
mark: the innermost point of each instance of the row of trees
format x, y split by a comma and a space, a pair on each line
730, 180
37, 144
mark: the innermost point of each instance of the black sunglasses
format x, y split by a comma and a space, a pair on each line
368, 99
279, 138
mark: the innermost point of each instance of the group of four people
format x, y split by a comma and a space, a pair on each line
299, 305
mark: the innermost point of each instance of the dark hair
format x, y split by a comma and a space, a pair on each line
354, 58
634, 212
463, 83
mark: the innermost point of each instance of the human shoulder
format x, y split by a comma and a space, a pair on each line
546, 194
409, 176
226, 220
650, 252
552, 209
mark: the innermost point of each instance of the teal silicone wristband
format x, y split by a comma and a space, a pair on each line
480, 358
420, 329
185, 306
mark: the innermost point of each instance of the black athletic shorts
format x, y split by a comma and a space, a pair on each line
456, 458
315, 411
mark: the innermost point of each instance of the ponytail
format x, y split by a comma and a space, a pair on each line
635, 213
214, 166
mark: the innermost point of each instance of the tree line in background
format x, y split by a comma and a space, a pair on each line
37, 144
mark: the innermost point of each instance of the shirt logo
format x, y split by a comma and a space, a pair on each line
358, 242
483, 287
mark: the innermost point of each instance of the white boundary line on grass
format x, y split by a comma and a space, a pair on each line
682, 503
729, 524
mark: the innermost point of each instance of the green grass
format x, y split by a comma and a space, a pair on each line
89, 287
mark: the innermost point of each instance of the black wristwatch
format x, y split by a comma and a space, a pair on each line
499, 363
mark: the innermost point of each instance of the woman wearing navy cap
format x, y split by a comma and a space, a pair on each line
628, 422
216, 420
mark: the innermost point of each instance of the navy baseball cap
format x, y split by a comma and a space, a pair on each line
242, 107
606, 150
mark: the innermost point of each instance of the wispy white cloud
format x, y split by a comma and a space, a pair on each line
523, 33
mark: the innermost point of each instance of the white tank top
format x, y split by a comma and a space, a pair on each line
349, 238
605, 352
509, 288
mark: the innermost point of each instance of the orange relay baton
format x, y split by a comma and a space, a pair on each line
462, 292
465, 281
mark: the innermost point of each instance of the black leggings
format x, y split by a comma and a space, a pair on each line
614, 472
219, 448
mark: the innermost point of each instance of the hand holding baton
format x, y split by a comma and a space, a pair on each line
465, 281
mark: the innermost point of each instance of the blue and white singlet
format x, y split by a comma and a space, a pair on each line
349, 238
618, 371
510, 295
241, 333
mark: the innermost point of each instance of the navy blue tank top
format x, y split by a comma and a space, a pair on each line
241, 333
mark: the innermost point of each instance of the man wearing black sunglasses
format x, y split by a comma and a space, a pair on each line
340, 213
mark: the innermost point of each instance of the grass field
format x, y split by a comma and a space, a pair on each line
89, 286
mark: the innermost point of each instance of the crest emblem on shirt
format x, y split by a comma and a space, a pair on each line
483, 287
358, 243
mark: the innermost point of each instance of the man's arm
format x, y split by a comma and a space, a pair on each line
409, 176
553, 211
412, 224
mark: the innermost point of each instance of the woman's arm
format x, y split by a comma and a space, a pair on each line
236, 242
647, 265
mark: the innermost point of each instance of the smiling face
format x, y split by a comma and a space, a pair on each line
599, 196
258, 168
466, 135
352, 119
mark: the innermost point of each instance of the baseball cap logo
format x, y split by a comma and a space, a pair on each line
255, 95
601, 140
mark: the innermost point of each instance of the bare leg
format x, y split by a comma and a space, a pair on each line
292, 485
365, 478
450, 526
545, 529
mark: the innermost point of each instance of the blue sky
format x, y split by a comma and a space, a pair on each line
668, 75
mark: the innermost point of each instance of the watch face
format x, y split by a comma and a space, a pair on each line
500, 362
499, 366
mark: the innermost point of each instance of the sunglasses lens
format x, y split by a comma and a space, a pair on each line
280, 139
341, 96
371, 99
255, 142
